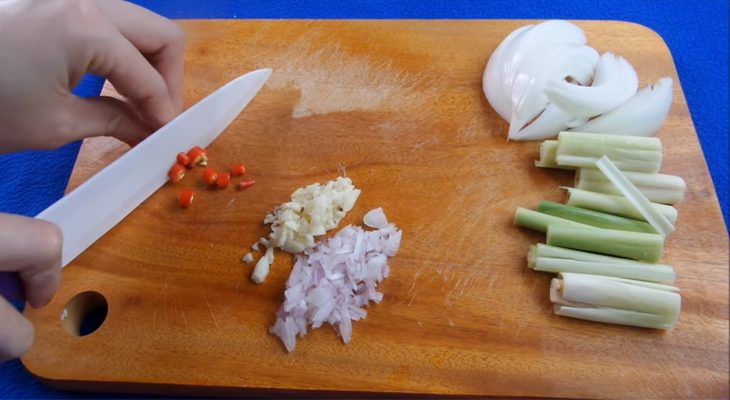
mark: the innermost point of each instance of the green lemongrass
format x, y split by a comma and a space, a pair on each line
543, 250
658, 273
548, 151
634, 196
659, 304
664, 273
631, 153
615, 316
539, 222
663, 181
572, 289
659, 188
635, 245
617, 205
593, 218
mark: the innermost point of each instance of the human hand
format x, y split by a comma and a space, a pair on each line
32, 248
46, 48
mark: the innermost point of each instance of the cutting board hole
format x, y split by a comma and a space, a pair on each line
84, 313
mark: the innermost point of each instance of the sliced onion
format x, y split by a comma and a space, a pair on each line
503, 66
526, 82
577, 122
542, 66
614, 83
551, 121
540, 36
492, 82
641, 115
548, 124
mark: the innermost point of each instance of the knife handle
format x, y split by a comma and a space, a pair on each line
11, 287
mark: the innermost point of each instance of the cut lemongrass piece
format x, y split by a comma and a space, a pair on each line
615, 316
658, 273
660, 223
548, 151
617, 205
539, 222
543, 250
593, 218
634, 245
609, 293
644, 179
659, 188
631, 153
573, 289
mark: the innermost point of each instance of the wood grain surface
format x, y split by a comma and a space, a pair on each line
399, 106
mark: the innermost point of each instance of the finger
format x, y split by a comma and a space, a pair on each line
132, 75
16, 332
32, 248
159, 39
104, 116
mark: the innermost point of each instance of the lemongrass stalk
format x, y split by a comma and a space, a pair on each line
658, 188
631, 153
645, 179
548, 151
543, 250
539, 222
626, 296
658, 273
617, 205
654, 195
635, 245
593, 218
572, 289
634, 196
615, 316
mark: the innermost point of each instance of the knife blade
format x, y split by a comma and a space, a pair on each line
98, 204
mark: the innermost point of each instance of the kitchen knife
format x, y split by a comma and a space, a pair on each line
98, 204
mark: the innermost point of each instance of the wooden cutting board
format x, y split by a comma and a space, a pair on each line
398, 105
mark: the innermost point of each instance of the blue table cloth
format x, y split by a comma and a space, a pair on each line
695, 31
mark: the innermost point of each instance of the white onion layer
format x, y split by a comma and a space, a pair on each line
641, 115
614, 83
552, 120
492, 85
541, 66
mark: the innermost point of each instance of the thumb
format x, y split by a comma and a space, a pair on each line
32, 247
105, 116
16, 332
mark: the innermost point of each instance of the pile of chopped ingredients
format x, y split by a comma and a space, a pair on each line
544, 79
605, 244
333, 281
311, 212
198, 156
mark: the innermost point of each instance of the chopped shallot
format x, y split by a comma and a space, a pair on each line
334, 280
375, 218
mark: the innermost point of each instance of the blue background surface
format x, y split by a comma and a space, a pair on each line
695, 31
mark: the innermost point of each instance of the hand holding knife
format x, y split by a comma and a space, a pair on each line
97, 205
